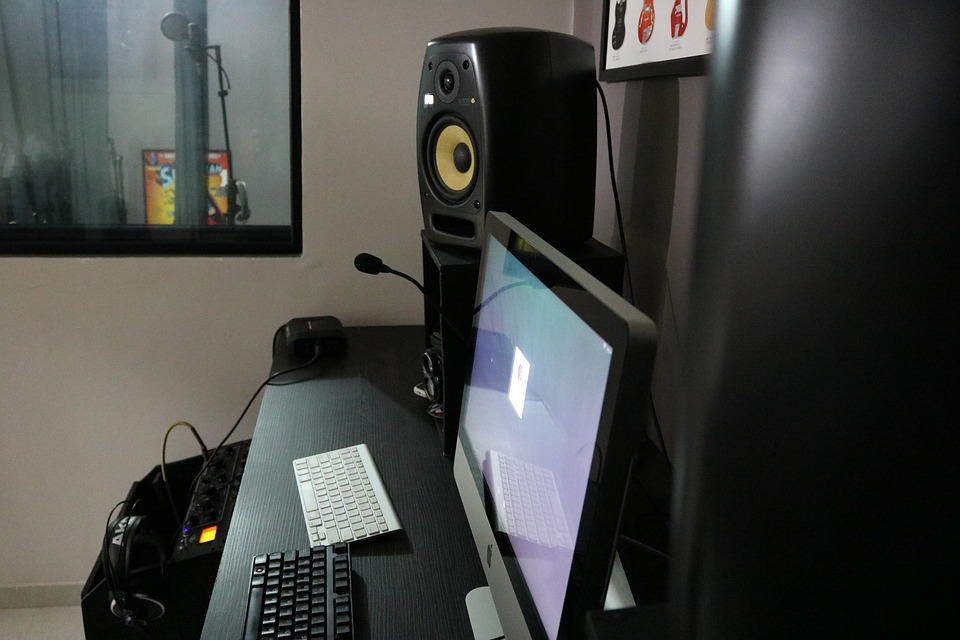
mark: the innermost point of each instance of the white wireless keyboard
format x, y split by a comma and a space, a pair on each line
343, 497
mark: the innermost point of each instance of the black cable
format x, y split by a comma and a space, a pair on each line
616, 192
316, 356
163, 461
506, 287
213, 455
273, 354
221, 70
656, 425
626, 259
673, 315
645, 547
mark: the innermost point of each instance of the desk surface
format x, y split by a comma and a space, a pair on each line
406, 585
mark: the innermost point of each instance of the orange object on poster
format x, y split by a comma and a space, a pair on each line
160, 180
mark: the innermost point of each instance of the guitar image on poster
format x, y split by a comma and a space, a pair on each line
682, 39
678, 18
619, 27
645, 25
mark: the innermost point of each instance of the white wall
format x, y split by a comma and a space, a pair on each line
99, 355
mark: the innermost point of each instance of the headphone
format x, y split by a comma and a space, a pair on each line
124, 537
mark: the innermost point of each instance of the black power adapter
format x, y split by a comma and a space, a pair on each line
320, 336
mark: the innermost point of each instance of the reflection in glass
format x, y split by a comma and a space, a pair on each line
526, 502
88, 86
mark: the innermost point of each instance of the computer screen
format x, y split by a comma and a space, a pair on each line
550, 420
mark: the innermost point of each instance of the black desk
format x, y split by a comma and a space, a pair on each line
409, 585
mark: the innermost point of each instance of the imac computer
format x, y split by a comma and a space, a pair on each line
551, 418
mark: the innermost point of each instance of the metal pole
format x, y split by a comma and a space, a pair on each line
192, 126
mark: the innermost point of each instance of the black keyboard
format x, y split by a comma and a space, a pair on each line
301, 595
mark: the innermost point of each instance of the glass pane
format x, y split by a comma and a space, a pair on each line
138, 126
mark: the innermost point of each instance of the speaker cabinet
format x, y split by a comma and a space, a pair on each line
507, 121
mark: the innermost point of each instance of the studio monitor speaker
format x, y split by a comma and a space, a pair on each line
507, 121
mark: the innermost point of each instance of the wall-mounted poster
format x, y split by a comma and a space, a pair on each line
644, 38
160, 180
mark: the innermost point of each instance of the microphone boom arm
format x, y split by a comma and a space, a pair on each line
367, 263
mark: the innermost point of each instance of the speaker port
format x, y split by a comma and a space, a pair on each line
454, 227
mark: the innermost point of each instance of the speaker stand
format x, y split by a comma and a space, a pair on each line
450, 280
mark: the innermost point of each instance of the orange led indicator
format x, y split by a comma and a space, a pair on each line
208, 534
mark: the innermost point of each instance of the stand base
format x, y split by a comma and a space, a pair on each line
619, 594
486, 623
483, 615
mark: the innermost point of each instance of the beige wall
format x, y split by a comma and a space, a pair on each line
99, 355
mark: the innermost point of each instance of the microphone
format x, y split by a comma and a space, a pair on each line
367, 263
177, 27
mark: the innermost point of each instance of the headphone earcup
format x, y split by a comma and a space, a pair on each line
125, 541
144, 609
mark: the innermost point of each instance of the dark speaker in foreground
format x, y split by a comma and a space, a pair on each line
822, 357
507, 122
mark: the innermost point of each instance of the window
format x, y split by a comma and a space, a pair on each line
146, 127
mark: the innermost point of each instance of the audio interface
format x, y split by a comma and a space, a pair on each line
210, 507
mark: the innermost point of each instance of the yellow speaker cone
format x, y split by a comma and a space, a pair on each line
454, 158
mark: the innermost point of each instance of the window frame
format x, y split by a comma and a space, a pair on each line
168, 240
